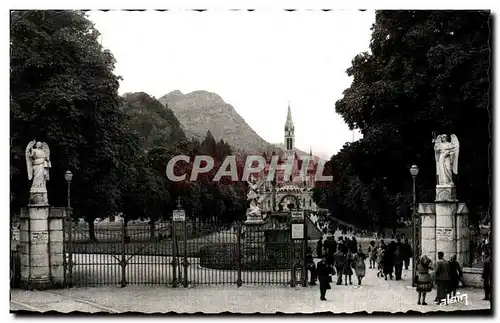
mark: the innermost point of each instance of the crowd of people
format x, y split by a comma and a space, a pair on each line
447, 277
344, 257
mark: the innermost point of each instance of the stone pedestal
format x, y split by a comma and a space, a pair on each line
35, 262
444, 226
253, 245
56, 245
41, 246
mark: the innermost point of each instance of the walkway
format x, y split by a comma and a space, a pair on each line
375, 294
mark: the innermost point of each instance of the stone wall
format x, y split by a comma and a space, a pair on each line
472, 277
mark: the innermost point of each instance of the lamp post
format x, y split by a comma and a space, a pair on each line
68, 176
414, 173
68, 277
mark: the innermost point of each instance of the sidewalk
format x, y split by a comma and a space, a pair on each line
374, 295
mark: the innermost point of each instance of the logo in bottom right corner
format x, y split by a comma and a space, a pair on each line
456, 298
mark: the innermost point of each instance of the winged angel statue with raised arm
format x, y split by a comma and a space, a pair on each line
446, 158
38, 165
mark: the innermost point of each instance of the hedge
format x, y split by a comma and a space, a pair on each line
225, 257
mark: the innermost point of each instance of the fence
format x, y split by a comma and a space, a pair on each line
188, 253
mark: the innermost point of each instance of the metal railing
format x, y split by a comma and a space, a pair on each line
202, 254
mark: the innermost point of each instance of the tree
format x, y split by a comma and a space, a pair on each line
155, 124
428, 72
64, 92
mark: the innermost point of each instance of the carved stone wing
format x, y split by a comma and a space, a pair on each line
29, 162
456, 148
436, 153
48, 164
46, 150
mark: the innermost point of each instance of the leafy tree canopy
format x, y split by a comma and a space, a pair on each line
427, 73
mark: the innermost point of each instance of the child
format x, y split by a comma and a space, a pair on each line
380, 261
349, 260
372, 254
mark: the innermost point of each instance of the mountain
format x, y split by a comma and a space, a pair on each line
155, 124
201, 111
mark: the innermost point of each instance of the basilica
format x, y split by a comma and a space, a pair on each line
295, 191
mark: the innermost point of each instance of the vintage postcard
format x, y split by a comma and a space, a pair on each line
250, 161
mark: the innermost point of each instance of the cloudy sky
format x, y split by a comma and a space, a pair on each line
256, 61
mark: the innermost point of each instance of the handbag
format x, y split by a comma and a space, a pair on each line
329, 278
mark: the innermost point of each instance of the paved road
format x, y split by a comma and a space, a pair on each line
374, 295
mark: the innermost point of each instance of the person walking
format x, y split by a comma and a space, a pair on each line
372, 254
339, 261
407, 253
486, 276
324, 272
398, 261
389, 261
359, 265
348, 264
319, 248
424, 281
380, 261
442, 274
311, 267
455, 275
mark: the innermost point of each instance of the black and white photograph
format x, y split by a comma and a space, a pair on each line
251, 161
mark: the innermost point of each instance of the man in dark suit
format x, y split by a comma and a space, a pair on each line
442, 277
407, 253
487, 276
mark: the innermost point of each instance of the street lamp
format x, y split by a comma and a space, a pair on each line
68, 175
414, 173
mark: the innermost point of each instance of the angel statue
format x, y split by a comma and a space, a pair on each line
446, 158
38, 164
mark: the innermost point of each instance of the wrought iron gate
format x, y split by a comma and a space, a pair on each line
204, 254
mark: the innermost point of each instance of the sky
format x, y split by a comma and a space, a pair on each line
256, 61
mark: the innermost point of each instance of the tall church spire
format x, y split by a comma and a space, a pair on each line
289, 121
289, 133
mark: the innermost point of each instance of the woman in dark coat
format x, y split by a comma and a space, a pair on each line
424, 280
389, 261
324, 272
455, 275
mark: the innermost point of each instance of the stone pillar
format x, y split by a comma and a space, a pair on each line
427, 214
444, 226
56, 245
35, 255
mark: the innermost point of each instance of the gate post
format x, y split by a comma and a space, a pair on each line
304, 253
186, 263
123, 262
69, 227
238, 255
292, 259
179, 216
174, 254
297, 233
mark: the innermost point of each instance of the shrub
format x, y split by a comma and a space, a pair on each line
225, 257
